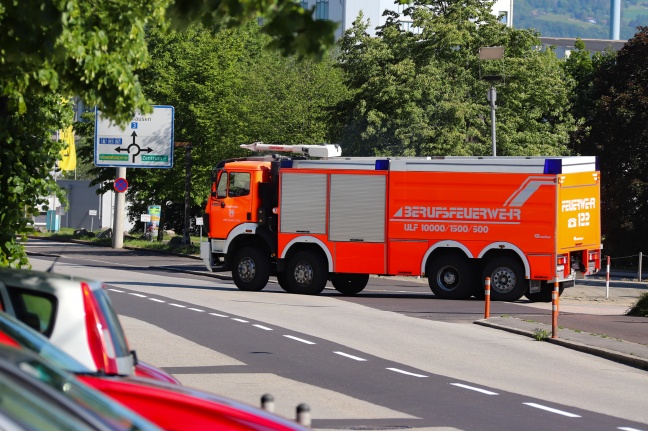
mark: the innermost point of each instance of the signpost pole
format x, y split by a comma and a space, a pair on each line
118, 222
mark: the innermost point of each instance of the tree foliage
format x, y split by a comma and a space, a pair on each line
419, 92
614, 129
227, 91
29, 153
97, 50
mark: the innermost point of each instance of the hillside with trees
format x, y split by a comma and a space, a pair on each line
587, 19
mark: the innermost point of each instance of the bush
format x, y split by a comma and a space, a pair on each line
640, 308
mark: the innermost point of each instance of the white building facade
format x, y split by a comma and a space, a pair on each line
345, 12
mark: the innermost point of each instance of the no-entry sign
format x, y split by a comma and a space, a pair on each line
121, 185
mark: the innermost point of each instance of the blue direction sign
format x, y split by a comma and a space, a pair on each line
145, 142
121, 185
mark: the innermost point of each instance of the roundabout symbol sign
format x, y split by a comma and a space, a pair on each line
121, 185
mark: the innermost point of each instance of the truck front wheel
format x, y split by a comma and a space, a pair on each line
307, 273
250, 269
450, 277
507, 279
349, 284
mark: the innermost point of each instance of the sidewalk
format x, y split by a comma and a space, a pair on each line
589, 321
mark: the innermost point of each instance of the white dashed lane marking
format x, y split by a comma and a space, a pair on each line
299, 339
346, 355
549, 409
406, 372
356, 358
483, 391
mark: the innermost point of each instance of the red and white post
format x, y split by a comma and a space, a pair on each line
555, 295
607, 279
487, 298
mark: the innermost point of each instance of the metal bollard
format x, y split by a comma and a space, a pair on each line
267, 403
555, 298
304, 415
487, 299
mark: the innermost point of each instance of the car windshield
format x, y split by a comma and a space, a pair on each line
27, 337
100, 406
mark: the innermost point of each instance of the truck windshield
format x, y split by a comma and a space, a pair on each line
221, 187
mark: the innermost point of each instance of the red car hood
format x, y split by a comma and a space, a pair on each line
180, 408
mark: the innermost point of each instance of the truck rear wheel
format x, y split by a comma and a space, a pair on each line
349, 284
450, 277
307, 273
507, 279
282, 279
250, 269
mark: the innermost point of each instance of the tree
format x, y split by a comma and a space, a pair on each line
96, 50
420, 93
227, 91
28, 155
616, 132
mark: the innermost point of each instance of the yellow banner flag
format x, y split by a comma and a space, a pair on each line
68, 162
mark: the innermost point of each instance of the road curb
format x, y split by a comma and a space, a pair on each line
623, 358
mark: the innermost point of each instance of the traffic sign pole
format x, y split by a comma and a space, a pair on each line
118, 221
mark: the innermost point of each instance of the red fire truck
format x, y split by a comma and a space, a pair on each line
525, 222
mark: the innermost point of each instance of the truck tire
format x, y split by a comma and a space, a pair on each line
349, 284
282, 279
250, 269
307, 273
545, 293
507, 281
450, 277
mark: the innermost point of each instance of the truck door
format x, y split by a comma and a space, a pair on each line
232, 203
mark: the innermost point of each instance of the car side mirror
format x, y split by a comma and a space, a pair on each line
134, 355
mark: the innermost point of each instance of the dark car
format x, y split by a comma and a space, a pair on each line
62, 393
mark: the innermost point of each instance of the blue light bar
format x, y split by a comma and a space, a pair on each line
553, 166
286, 163
382, 165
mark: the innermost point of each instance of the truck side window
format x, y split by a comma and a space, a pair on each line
239, 184
221, 187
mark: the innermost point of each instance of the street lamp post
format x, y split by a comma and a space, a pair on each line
492, 53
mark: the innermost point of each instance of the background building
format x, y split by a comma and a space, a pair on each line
345, 12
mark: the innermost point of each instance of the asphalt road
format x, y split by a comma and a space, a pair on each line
362, 363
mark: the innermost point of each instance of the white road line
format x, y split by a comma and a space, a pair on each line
196, 309
156, 300
549, 409
239, 320
406, 372
137, 294
177, 305
263, 327
115, 290
299, 339
218, 315
628, 429
483, 391
355, 358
